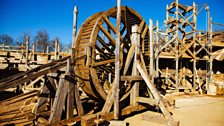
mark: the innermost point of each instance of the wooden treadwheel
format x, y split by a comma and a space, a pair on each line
96, 41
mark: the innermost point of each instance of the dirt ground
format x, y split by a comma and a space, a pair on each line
190, 111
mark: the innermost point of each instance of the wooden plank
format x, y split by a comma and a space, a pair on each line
18, 98
59, 101
186, 48
97, 83
70, 96
31, 77
32, 74
34, 82
104, 44
153, 90
103, 62
129, 58
109, 100
111, 26
141, 25
131, 78
144, 32
107, 34
149, 101
90, 119
43, 99
66, 121
52, 82
78, 100
42, 121
16, 76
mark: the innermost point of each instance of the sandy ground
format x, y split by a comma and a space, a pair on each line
200, 111
190, 111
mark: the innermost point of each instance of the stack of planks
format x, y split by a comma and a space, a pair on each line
18, 110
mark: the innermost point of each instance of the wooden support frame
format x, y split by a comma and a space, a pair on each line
67, 88
135, 39
180, 24
137, 69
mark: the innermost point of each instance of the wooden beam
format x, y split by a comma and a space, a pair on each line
110, 24
153, 90
19, 75
109, 100
186, 48
32, 76
129, 58
135, 41
75, 13
151, 50
90, 119
41, 105
141, 25
131, 78
56, 48
78, 100
103, 62
66, 121
104, 44
34, 73
59, 101
70, 96
27, 50
117, 62
149, 101
107, 34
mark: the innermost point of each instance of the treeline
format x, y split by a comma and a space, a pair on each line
41, 41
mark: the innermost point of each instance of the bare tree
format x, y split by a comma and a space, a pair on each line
21, 40
6, 39
41, 41
51, 45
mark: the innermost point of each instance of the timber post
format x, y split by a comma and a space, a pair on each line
151, 50
74, 30
177, 48
47, 51
33, 50
194, 46
56, 48
135, 41
117, 61
27, 50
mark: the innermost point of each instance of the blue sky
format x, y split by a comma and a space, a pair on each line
56, 16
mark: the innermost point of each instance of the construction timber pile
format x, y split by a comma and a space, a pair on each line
81, 88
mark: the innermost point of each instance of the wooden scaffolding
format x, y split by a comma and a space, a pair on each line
180, 47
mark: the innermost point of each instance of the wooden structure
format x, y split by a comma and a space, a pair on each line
183, 45
93, 71
95, 39
23, 58
116, 60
